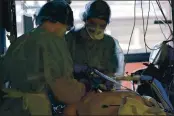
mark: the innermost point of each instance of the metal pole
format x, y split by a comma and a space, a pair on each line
2, 41
172, 5
2, 29
13, 29
14, 26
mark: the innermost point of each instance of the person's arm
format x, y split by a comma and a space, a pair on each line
116, 64
1, 74
121, 60
64, 86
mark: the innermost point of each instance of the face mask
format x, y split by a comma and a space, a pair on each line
95, 33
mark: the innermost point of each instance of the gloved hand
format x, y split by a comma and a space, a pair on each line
80, 68
146, 78
109, 85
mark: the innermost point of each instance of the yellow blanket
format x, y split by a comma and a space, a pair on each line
132, 106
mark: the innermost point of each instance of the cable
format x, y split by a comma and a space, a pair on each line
159, 25
147, 18
158, 19
160, 95
145, 31
133, 27
132, 30
170, 85
143, 23
160, 7
172, 82
153, 93
147, 26
170, 3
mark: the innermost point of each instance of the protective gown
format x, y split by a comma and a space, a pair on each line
34, 62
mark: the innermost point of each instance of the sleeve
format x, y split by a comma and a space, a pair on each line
64, 86
117, 64
69, 40
1, 69
121, 60
8, 64
51, 65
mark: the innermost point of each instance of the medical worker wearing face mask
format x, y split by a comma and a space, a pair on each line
91, 46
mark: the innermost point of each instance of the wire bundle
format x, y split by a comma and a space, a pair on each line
145, 28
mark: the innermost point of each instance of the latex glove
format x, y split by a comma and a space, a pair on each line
109, 85
146, 77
